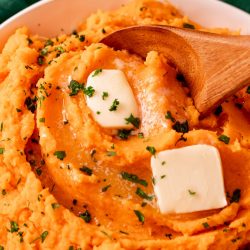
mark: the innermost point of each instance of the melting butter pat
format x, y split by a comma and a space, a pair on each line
188, 179
111, 88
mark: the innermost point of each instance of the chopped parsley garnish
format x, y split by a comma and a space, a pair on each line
104, 189
140, 135
114, 105
49, 43
188, 26
42, 119
39, 171
191, 192
135, 121
236, 239
205, 225
44, 236
86, 170
143, 195
31, 104
71, 248
18, 110
151, 150
104, 95
153, 180
60, 155
248, 90
75, 87
140, 216
44, 52
89, 91
235, 196
55, 205
98, 112
60, 49
4, 192
1, 126
122, 232
1, 151
133, 178
97, 72
29, 41
123, 134
170, 236
13, 227
163, 176
218, 110
1, 248
82, 38
181, 127
169, 116
40, 60
86, 216
163, 163
111, 153
103, 31
224, 139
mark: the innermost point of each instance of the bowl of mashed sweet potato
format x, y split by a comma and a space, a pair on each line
66, 181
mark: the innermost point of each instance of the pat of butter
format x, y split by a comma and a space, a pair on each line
116, 86
188, 179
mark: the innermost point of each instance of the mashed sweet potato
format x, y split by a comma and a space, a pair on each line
67, 183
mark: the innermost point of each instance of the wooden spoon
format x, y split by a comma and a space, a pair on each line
214, 66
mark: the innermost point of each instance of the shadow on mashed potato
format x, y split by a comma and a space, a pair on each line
67, 183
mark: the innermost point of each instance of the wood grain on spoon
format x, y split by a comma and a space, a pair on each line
214, 66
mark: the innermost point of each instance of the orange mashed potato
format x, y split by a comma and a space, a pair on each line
67, 183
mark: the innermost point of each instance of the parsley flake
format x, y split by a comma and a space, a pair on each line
86, 216
97, 72
135, 121
1, 151
44, 236
191, 192
205, 225
143, 195
104, 189
169, 116
114, 105
105, 95
140, 135
140, 216
181, 127
151, 150
248, 90
236, 195
42, 119
123, 134
86, 170
55, 205
133, 178
224, 139
188, 26
82, 38
60, 155
13, 227
89, 91
111, 153
49, 43
75, 87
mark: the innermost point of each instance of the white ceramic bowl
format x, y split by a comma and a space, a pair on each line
52, 17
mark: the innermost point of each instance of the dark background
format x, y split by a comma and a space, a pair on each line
10, 7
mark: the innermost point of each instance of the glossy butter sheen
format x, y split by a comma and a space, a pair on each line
188, 179
115, 84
